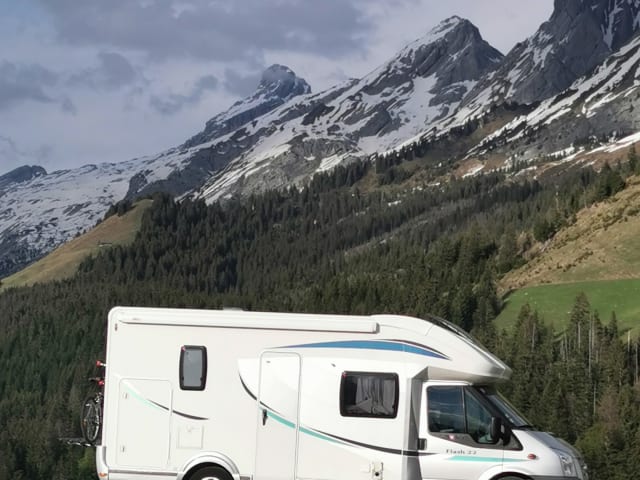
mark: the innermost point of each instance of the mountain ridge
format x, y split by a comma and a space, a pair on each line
282, 134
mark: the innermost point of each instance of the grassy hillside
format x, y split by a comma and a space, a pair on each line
553, 302
603, 244
63, 262
598, 255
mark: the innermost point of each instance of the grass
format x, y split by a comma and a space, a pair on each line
603, 244
554, 302
598, 255
63, 262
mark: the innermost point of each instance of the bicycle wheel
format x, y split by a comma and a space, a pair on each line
91, 419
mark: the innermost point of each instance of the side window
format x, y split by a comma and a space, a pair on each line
365, 394
454, 409
446, 409
193, 367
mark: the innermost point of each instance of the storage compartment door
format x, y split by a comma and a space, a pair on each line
144, 422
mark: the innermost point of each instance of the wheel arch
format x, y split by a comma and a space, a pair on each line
511, 476
209, 459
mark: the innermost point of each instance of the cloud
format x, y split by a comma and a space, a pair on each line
240, 84
12, 156
114, 71
19, 83
212, 29
174, 102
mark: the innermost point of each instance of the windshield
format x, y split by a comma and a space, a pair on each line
509, 412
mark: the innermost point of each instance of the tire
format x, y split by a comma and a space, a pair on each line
211, 473
91, 420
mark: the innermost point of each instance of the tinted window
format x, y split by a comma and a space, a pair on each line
454, 409
193, 367
364, 394
446, 409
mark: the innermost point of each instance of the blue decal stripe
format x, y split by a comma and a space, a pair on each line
389, 345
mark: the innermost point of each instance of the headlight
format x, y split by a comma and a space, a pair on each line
568, 468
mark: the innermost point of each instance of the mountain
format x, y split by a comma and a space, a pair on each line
448, 98
19, 175
40, 210
579, 35
278, 84
226, 136
596, 115
422, 84
280, 135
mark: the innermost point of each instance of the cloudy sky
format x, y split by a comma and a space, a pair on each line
91, 81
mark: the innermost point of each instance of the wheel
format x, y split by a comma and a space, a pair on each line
211, 473
91, 419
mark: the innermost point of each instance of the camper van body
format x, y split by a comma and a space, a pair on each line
269, 396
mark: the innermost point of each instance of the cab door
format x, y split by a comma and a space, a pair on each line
455, 427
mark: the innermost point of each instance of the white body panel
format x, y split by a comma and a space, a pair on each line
271, 406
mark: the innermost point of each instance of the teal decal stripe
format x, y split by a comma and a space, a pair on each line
339, 440
140, 398
306, 431
471, 458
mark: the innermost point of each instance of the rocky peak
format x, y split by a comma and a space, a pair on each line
280, 81
615, 20
278, 84
452, 52
20, 175
452, 39
579, 35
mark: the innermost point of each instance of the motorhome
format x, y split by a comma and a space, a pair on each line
235, 395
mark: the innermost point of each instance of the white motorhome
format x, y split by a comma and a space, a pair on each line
233, 395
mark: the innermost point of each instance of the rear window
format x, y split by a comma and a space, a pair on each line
369, 394
193, 367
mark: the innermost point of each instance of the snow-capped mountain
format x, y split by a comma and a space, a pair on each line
277, 85
280, 135
579, 35
600, 106
40, 210
436, 89
422, 84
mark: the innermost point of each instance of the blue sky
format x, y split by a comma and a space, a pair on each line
94, 81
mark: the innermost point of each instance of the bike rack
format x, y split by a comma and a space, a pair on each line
77, 442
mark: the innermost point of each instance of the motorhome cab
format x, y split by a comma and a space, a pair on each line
232, 395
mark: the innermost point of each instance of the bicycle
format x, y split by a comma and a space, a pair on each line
91, 412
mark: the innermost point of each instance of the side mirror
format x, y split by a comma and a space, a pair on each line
495, 430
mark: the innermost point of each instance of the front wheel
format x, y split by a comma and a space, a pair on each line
91, 419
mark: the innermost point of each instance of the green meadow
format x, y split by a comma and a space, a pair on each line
554, 301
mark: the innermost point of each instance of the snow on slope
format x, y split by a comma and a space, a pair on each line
618, 76
48, 210
425, 82
579, 35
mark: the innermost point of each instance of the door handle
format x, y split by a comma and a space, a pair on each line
264, 416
